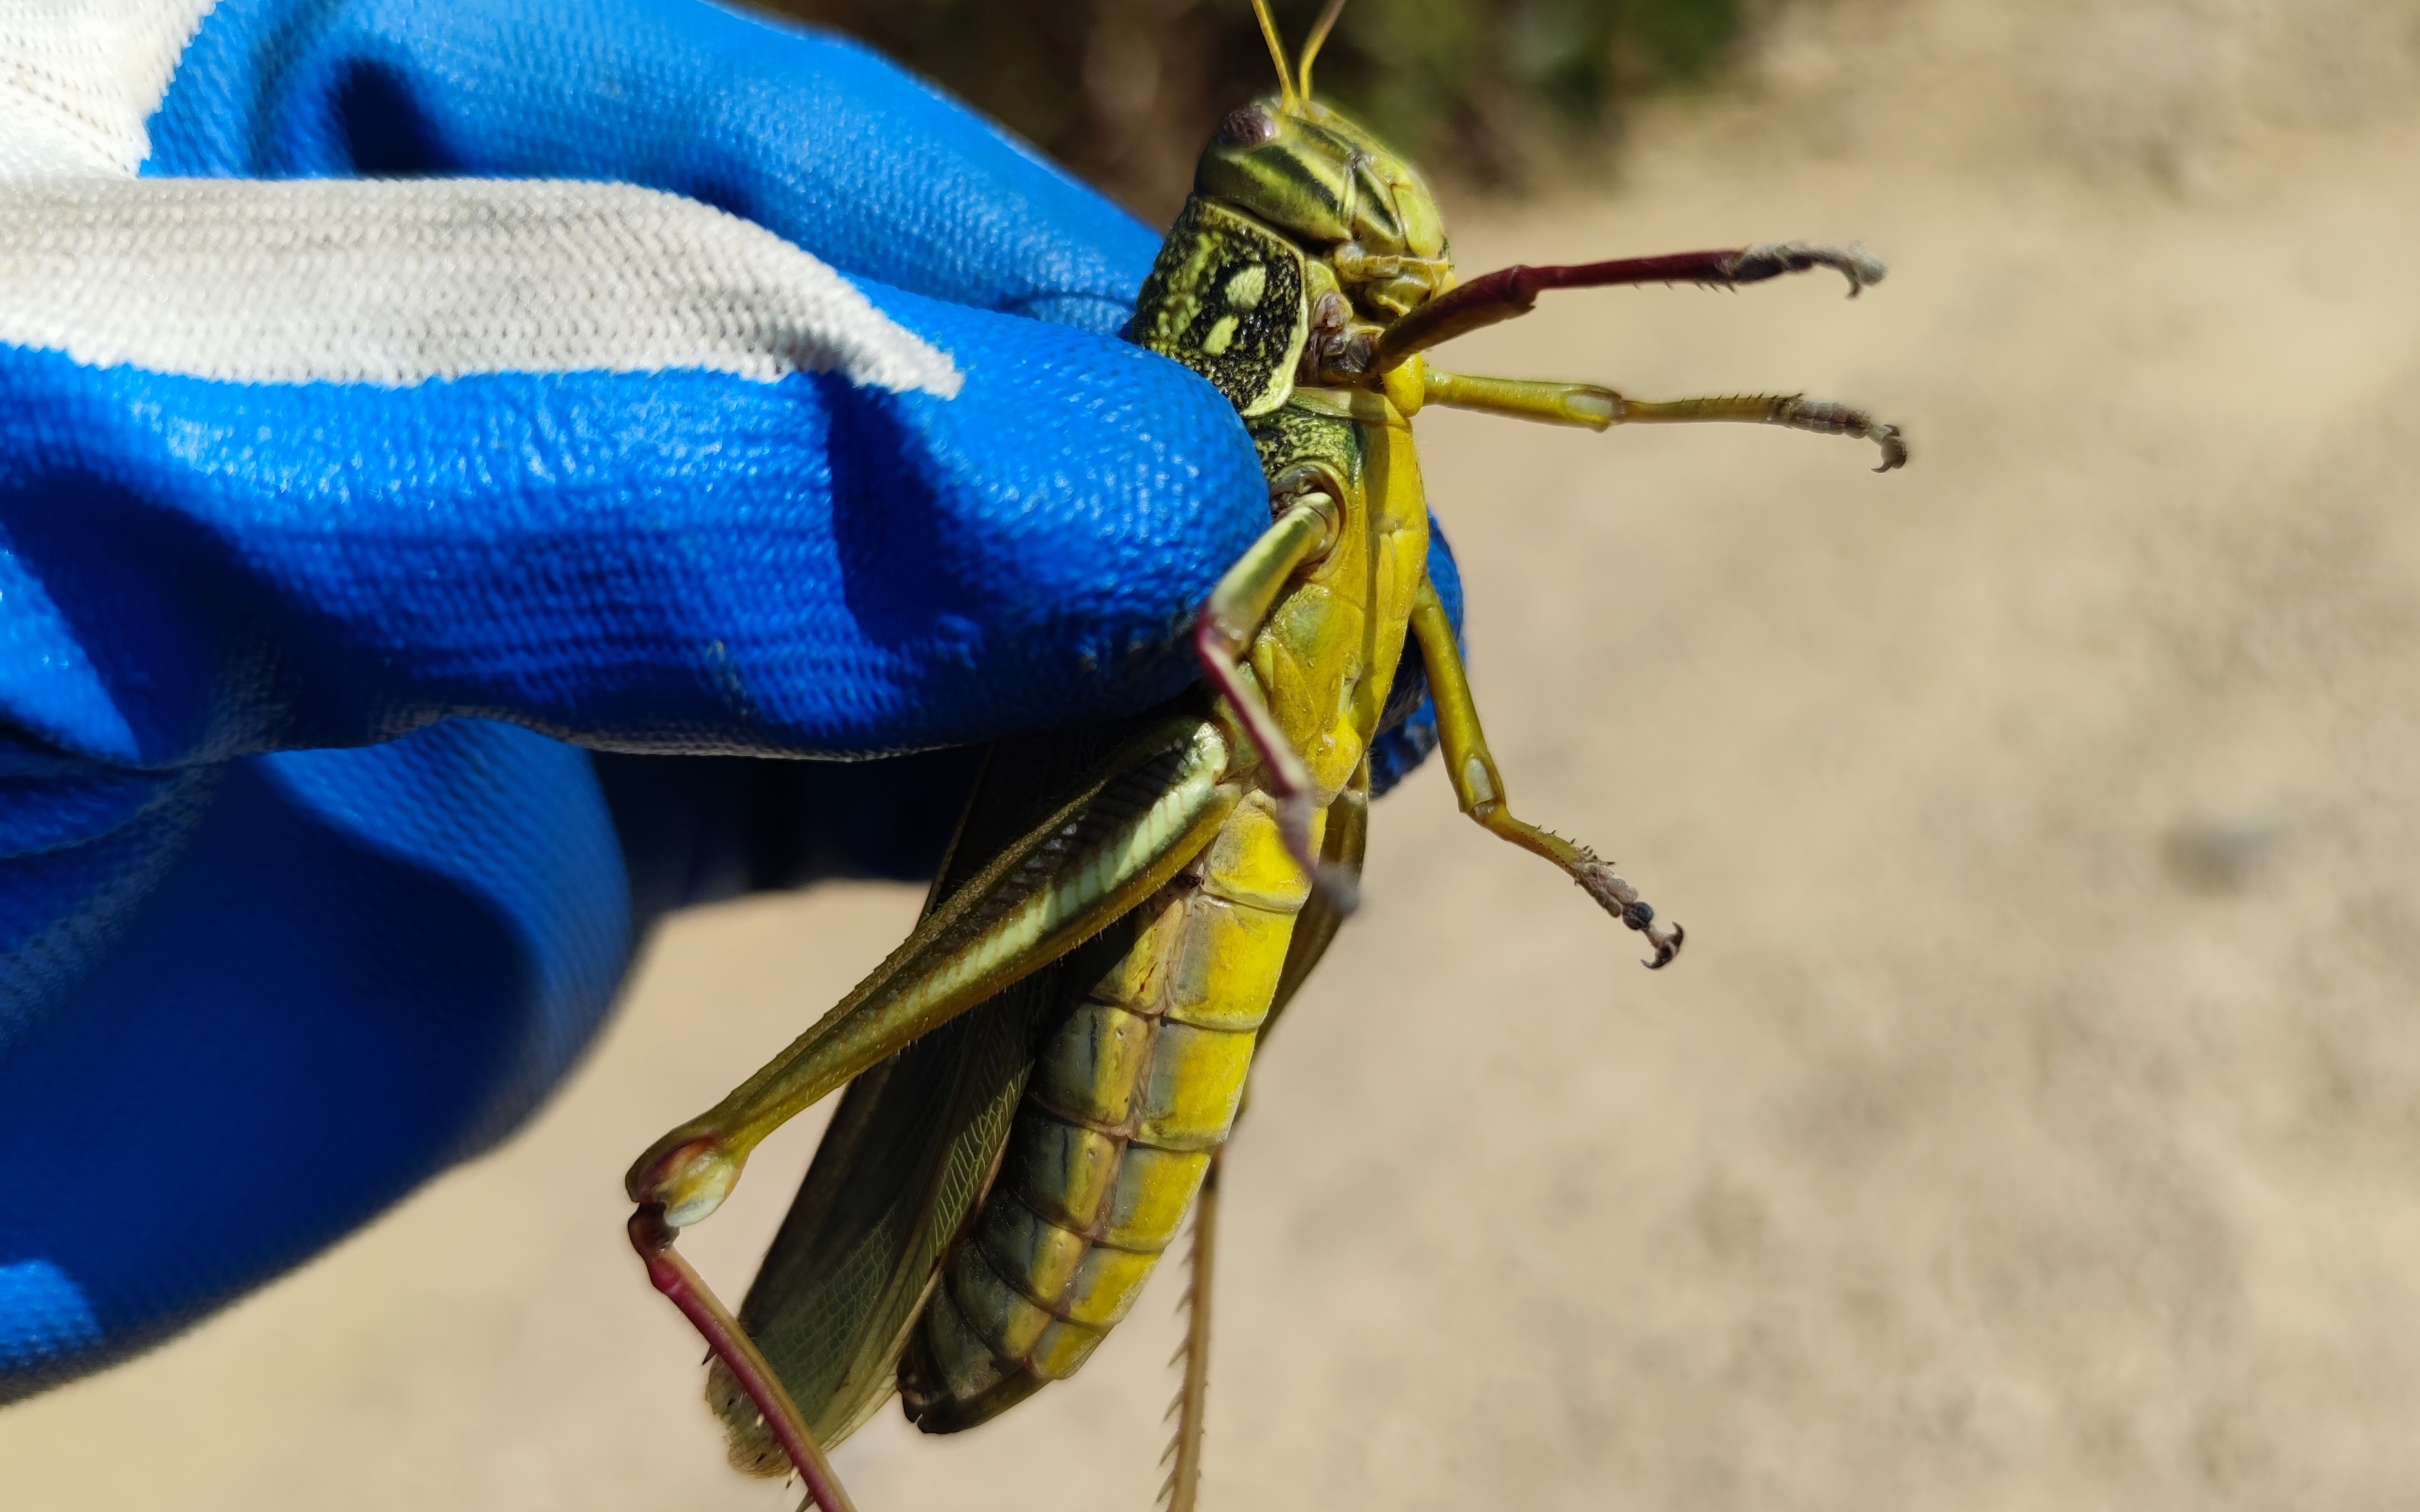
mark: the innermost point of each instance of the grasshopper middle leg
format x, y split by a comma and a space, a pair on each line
1480, 787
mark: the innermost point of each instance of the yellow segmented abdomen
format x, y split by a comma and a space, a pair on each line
1132, 1092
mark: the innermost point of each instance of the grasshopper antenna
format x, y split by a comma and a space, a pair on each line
1310, 49
1289, 97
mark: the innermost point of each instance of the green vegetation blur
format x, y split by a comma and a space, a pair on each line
1488, 93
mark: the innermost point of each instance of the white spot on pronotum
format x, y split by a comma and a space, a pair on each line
1246, 285
1222, 335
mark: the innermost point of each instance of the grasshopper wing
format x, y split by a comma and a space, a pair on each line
909, 1152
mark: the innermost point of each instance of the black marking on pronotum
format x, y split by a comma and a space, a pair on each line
1228, 301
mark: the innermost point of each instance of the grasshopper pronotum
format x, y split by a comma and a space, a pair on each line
1041, 1078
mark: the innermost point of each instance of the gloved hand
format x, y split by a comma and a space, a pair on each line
351, 496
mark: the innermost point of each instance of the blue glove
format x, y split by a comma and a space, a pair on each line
785, 418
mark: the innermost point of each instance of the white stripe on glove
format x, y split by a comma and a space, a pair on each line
78, 79
388, 283
397, 282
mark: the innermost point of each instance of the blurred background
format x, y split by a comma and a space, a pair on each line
2034, 1121
1497, 94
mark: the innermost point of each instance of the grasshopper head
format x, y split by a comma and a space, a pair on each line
1314, 174
1328, 183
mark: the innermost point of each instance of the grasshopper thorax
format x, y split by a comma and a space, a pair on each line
1325, 183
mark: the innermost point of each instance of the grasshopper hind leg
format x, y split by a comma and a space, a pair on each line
1184, 1456
1342, 848
670, 1275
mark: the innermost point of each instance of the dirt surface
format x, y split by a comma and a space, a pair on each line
2034, 1121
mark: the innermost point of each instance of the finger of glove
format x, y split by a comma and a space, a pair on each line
814, 138
296, 986
699, 829
310, 464
362, 967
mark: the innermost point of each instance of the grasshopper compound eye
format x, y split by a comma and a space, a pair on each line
1247, 127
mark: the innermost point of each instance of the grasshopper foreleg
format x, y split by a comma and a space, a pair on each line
1599, 409
1481, 788
1513, 291
1222, 634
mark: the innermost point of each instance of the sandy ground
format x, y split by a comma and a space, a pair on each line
2035, 1119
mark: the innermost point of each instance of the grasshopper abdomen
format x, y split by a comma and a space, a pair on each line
1137, 1085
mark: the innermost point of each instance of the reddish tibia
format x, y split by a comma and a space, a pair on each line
676, 1279
1513, 291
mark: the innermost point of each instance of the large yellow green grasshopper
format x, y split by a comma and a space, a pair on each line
1040, 1079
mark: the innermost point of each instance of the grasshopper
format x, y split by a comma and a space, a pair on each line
1040, 1079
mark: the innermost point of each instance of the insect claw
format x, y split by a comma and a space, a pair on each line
1774, 258
1616, 895
1894, 447
1667, 946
